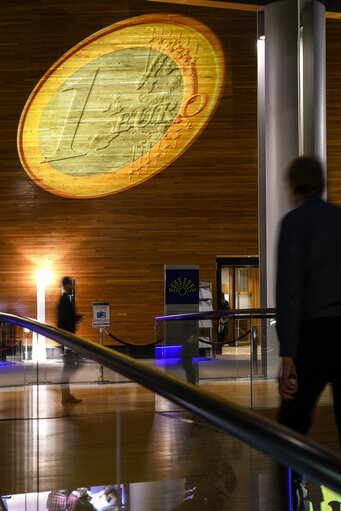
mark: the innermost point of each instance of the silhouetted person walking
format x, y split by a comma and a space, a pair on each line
308, 297
67, 320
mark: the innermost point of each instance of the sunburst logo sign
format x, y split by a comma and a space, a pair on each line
121, 105
182, 286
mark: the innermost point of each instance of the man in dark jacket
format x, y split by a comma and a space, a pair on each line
67, 320
66, 308
308, 297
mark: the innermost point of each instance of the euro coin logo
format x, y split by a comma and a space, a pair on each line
121, 106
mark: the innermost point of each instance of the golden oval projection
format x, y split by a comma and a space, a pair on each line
121, 106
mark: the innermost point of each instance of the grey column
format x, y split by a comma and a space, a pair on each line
314, 79
291, 107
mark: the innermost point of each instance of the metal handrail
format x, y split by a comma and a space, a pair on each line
280, 443
254, 313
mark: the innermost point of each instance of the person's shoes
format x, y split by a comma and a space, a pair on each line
70, 400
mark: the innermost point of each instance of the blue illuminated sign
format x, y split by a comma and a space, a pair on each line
182, 286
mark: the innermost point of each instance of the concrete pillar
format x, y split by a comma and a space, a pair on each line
292, 112
313, 39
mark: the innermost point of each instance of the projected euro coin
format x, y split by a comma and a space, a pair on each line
121, 106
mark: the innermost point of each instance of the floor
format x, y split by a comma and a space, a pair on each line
161, 457
116, 436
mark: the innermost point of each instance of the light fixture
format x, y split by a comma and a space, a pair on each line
43, 278
260, 25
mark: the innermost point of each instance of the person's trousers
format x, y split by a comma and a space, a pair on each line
71, 363
318, 362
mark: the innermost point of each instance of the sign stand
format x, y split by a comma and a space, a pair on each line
182, 297
101, 343
101, 320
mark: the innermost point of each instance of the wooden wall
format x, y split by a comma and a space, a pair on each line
334, 109
202, 205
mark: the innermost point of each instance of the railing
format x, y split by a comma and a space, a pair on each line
280, 443
241, 313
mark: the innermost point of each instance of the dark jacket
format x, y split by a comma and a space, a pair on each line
309, 269
66, 314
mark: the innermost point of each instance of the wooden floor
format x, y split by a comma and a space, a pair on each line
125, 434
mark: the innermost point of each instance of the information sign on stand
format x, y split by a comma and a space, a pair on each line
101, 320
181, 286
100, 315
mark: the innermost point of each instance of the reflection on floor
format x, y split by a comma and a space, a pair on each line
175, 459
163, 461
136, 496
215, 374
122, 434
118, 434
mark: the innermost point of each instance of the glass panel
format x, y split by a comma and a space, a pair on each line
208, 353
243, 279
16, 372
225, 284
265, 363
247, 288
153, 457
223, 349
227, 348
240, 287
265, 366
219, 350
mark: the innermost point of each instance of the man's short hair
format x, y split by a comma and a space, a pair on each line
305, 176
66, 281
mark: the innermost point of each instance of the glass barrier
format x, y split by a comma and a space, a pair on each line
217, 349
213, 350
209, 352
70, 434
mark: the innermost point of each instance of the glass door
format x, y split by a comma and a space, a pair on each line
238, 288
239, 338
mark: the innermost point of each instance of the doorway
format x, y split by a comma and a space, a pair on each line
238, 288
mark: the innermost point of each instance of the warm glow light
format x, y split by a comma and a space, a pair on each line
261, 50
43, 277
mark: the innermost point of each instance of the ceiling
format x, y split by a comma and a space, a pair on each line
331, 5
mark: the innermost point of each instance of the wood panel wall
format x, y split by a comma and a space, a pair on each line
333, 65
202, 205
